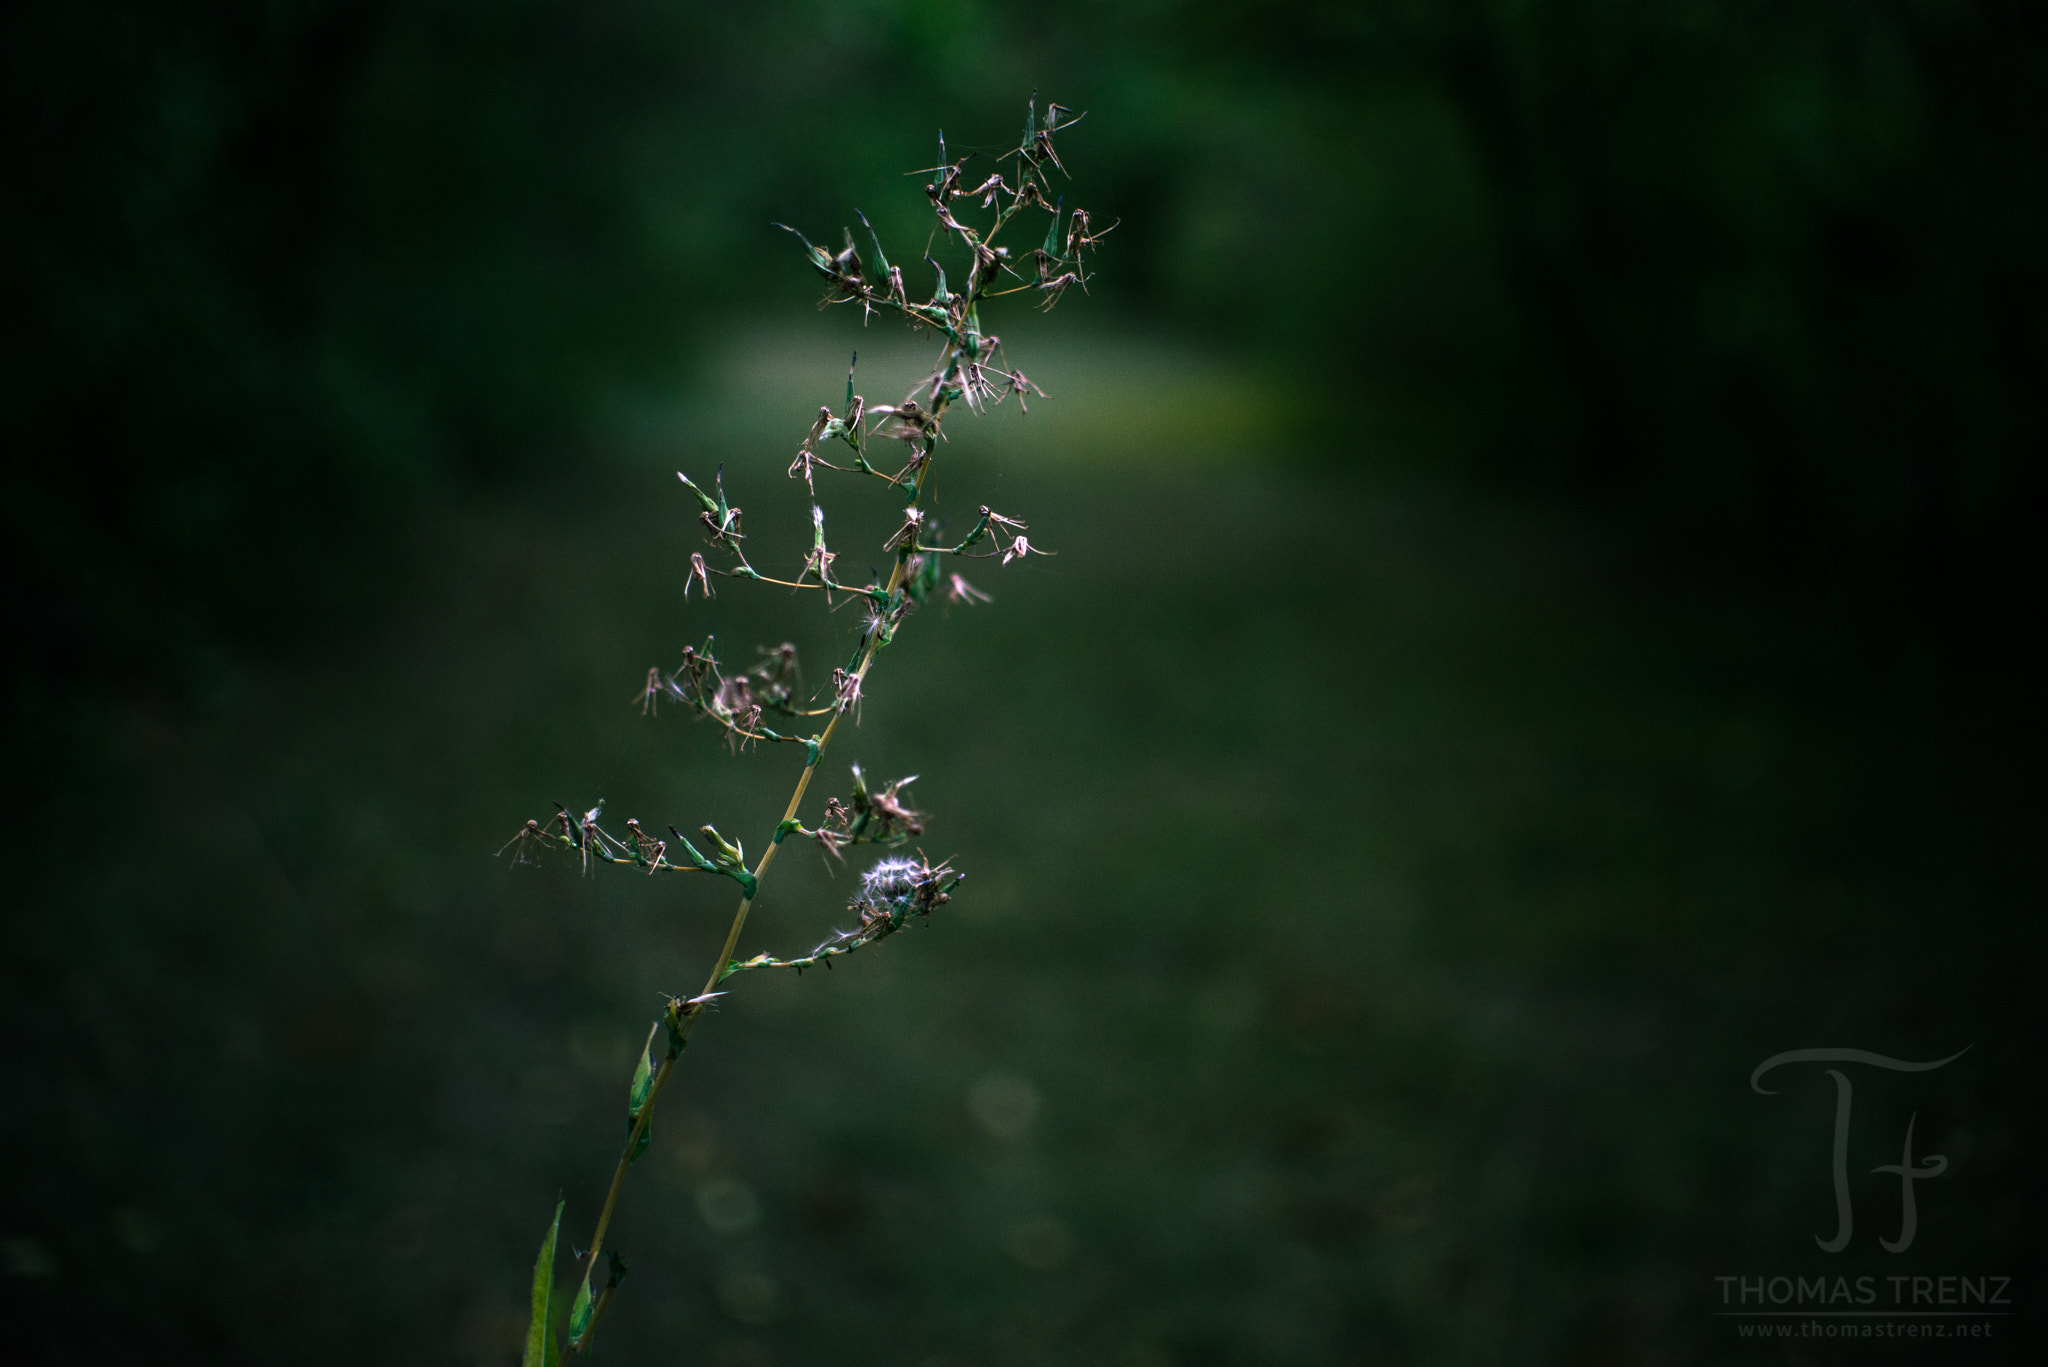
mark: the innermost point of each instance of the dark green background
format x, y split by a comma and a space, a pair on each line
1542, 622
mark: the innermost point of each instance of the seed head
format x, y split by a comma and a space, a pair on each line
895, 889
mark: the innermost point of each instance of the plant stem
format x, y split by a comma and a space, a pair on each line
739, 920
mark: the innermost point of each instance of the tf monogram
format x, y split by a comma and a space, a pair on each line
1908, 1171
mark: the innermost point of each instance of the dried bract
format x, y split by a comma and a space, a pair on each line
958, 590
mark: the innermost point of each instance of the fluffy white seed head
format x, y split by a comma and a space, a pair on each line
891, 884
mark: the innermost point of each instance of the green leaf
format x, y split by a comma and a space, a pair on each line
697, 859
640, 1145
540, 1339
643, 1082
702, 497
820, 258
579, 1313
881, 272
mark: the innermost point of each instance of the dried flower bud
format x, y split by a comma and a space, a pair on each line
650, 850
987, 191
906, 535
527, 844
846, 692
656, 688
1077, 234
1058, 286
892, 816
721, 528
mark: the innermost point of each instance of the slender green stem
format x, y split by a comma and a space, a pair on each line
961, 372
739, 920
611, 1199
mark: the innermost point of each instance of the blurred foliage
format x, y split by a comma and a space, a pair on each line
281, 270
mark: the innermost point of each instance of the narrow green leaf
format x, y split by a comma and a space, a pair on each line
643, 1082
697, 860
820, 258
540, 1339
640, 1145
881, 261
702, 497
579, 1313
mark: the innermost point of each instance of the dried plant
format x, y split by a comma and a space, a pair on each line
892, 446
